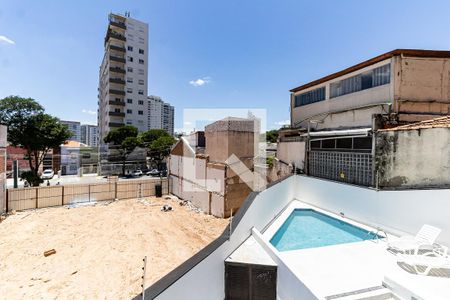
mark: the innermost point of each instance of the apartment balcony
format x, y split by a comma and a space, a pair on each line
117, 92
117, 48
117, 58
118, 24
114, 124
117, 70
114, 35
117, 80
116, 114
115, 102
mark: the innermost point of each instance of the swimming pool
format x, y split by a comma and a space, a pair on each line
307, 228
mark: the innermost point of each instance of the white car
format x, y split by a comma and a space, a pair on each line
47, 174
137, 173
153, 172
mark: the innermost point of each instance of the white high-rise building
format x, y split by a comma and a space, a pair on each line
75, 128
160, 114
123, 76
89, 135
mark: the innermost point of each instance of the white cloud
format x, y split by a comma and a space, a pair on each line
89, 112
5, 40
283, 122
200, 81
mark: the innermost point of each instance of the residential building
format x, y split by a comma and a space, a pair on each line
89, 135
201, 170
75, 129
160, 114
78, 158
335, 119
123, 75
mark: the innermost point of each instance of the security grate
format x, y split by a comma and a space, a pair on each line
350, 167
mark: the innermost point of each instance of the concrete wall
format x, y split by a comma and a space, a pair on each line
3, 134
355, 118
399, 212
421, 87
292, 153
220, 145
413, 158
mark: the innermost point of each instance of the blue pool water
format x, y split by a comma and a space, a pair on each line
307, 228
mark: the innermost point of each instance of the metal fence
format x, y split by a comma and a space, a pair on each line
40, 197
350, 167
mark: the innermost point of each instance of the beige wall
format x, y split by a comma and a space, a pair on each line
220, 145
355, 118
421, 87
292, 153
413, 158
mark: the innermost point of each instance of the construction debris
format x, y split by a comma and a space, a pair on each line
49, 252
166, 208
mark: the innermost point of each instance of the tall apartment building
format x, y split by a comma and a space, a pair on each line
75, 128
123, 75
89, 135
160, 114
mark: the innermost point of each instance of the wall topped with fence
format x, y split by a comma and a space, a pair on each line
40, 197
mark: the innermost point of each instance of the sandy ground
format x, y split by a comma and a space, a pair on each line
99, 249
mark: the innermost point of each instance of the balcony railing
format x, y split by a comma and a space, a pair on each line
117, 58
115, 102
117, 70
114, 124
117, 48
117, 80
114, 35
117, 92
118, 24
117, 114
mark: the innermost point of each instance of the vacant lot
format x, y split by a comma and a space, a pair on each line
99, 249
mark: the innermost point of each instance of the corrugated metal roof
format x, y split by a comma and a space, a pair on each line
442, 122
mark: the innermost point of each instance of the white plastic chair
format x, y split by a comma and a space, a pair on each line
424, 239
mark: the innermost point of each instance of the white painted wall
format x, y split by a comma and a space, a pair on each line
292, 153
206, 280
397, 211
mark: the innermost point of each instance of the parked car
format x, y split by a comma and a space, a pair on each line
137, 173
153, 172
47, 174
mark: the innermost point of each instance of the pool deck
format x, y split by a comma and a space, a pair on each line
331, 271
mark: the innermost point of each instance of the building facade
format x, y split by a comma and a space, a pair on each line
2, 169
75, 129
89, 135
160, 114
123, 75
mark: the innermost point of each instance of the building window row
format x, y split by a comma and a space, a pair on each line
376, 77
309, 97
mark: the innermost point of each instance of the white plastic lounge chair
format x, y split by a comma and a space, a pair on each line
424, 239
427, 261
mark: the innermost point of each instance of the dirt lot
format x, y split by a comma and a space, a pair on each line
99, 249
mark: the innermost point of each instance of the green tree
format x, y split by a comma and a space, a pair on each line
125, 139
158, 143
272, 136
30, 128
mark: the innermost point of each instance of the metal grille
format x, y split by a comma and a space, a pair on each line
351, 167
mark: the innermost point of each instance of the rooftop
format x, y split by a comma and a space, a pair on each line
442, 122
396, 52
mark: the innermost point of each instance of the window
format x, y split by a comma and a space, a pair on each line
129, 100
129, 69
117, 110
129, 79
130, 58
129, 122
141, 40
141, 72
309, 97
129, 90
141, 81
141, 92
141, 51
141, 102
130, 48
369, 79
140, 112
129, 111
141, 61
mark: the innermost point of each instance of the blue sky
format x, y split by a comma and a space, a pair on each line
206, 54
